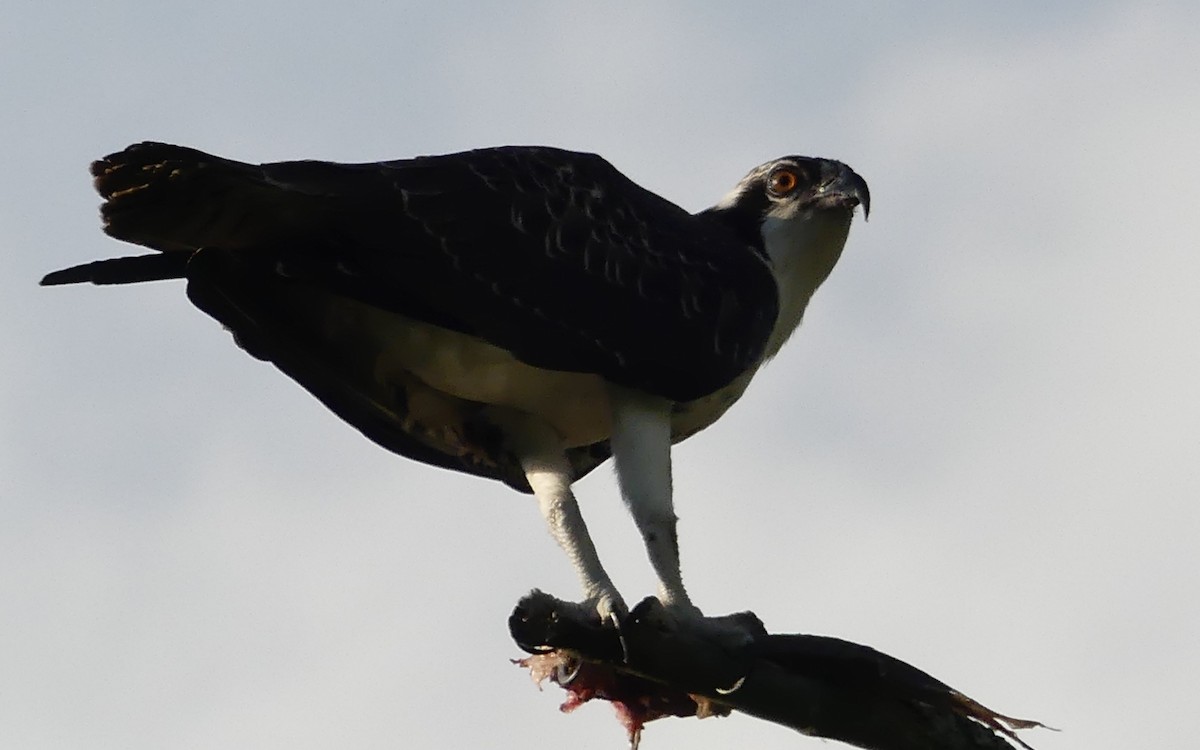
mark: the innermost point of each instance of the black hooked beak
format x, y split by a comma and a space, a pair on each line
846, 188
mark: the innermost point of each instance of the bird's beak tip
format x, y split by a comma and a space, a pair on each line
851, 188
859, 189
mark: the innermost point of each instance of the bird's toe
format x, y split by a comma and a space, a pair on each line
732, 631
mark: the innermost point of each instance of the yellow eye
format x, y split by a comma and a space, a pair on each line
782, 181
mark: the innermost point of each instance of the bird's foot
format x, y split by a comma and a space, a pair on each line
610, 606
613, 611
605, 605
731, 632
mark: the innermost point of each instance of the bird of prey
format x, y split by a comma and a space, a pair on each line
517, 313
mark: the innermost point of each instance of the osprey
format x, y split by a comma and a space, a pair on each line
518, 313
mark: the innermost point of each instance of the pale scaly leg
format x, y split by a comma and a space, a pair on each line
549, 475
641, 446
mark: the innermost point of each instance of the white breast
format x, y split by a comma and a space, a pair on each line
461, 368
468, 368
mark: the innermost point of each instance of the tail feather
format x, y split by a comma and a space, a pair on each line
130, 270
136, 166
178, 200
173, 198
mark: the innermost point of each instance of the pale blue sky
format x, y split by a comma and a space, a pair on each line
980, 452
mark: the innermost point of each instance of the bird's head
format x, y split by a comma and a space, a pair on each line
792, 189
796, 211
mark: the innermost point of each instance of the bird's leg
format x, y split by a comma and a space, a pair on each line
641, 446
549, 474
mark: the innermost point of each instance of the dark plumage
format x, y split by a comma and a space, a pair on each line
519, 313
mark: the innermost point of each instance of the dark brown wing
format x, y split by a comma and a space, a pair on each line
550, 254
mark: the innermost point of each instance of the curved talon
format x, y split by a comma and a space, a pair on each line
733, 688
616, 623
562, 676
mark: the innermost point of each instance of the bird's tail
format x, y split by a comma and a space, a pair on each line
174, 200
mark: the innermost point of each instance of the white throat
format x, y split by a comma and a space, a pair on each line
803, 249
